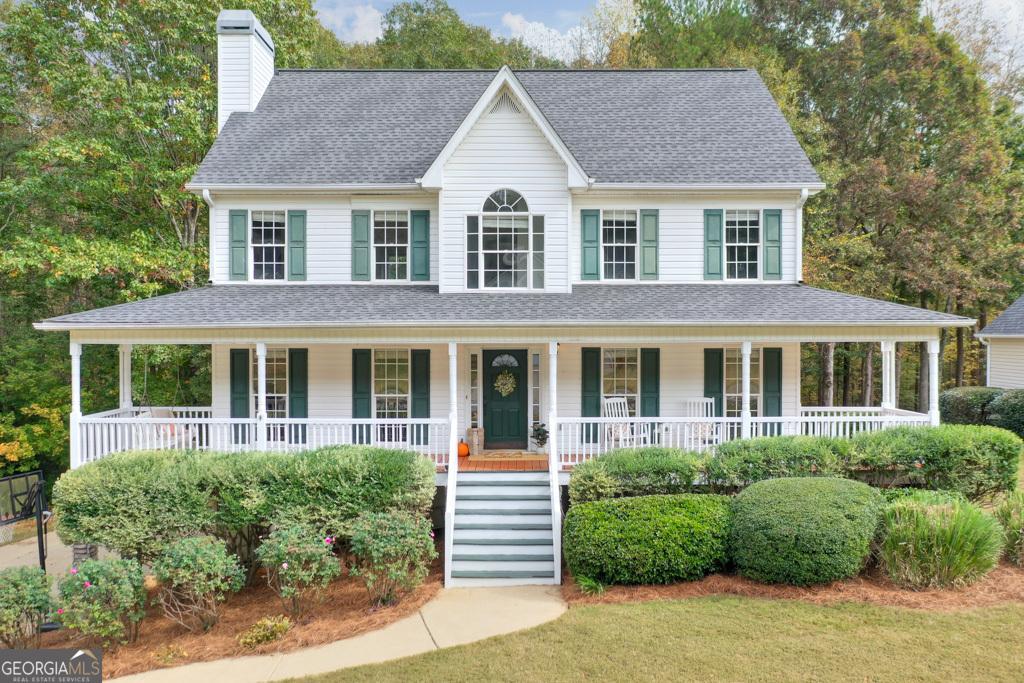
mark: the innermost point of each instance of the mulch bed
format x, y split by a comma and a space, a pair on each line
346, 611
1004, 585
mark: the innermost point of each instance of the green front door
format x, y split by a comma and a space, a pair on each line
504, 391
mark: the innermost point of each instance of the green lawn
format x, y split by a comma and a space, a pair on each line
733, 639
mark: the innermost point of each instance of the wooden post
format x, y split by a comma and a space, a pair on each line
76, 404
745, 351
261, 396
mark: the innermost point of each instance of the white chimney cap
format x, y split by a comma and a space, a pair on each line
245, 22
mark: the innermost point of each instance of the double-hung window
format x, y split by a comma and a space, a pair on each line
620, 375
505, 245
742, 244
268, 239
391, 392
277, 389
391, 245
619, 244
733, 390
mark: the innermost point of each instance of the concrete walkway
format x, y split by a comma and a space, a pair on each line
454, 617
25, 553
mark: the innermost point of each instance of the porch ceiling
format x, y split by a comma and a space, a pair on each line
605, 305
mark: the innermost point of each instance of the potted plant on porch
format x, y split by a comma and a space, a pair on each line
539, 436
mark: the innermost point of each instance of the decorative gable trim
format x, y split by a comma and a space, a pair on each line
434, 176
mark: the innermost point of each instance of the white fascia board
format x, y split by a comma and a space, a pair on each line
434, 176
811, 188
311, 187
999, 335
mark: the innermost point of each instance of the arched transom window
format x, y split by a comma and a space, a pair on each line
505, 244
505, 200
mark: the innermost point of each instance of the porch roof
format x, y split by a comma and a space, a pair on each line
352, 305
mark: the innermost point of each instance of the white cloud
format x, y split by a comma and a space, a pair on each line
564, 45
351, 21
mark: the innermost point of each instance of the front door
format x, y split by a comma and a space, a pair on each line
504, 391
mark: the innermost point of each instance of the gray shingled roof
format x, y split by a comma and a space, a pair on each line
591, 304
715, 126
1010, 322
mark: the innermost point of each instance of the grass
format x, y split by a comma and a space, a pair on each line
732, 639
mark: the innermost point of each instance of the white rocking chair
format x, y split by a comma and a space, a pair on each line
622, 433
704, 433
173, 436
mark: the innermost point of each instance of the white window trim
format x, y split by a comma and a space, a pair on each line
480, 251
373, 382
759, 244
636, 246
408, 246
253, 379
760, 379
250, 259
639, 377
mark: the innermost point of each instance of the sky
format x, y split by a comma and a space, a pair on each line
546, 25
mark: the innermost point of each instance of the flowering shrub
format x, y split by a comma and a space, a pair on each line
25, 603
392, 551
104, 600
299, 563
266, 630
196, 574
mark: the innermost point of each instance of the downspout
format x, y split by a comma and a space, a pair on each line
208, 198
804, 194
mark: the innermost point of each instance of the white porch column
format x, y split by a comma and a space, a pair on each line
553, 459
933, 381
125, 355
261, 396
887, 371
553, 400
745, 351
76, 404
453, 403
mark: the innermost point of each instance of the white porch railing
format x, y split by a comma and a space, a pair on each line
194, 428
577, 439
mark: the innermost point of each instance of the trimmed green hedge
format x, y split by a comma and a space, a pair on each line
972, 460
1007, 411
645, 540
737, 464
137, 503
967, 405
635, 472
803, 531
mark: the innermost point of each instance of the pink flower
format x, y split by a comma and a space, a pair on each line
431, 534
328, 540
60, 610
74, 570
284, 565
87, 584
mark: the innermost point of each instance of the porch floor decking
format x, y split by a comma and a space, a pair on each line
485, 464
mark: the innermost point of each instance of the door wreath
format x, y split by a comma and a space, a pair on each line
505, 383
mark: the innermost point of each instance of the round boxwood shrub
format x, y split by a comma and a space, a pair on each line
1007, 411
742, 462
967, 405
926, 544
803, 531
649, 539
625, 472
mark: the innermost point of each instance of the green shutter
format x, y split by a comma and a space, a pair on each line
772, 244
239, 382
714, 369
362, 391
419, 379
650, 382
296, 245
298, 392
419, 239
713, 244
590, 405
360, 245
590, 255
771, 378
648, 244
238, 252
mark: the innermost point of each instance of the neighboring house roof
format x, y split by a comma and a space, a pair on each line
1009, 324
703, 127
256, 305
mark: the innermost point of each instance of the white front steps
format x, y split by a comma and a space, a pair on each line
503, 529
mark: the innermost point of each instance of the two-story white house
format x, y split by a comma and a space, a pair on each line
409, 258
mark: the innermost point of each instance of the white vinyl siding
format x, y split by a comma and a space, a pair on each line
505, 150
1006, 363
681, 228
328, 230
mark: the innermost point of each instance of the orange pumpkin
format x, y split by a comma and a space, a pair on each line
463, 448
